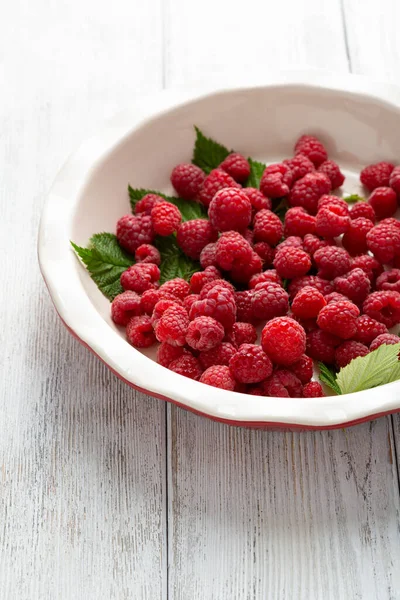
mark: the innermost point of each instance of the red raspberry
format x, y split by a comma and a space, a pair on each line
172, 326
284, 340
211, 284
146, 253
303, 369
270, 275
384, 202
294, 241
220, 355
186, 365
199, 279
355, 285
362, 209
230, 210
255, 390
232, 248
298, 222
215, 181
161, 307
389, 280
138, 279
219, 304
349, 350
369, 264
269, 300
265, 252
250, 364
384, 307
219, 376
165, 218
391, 222
124, 307
384, 242
133, 231
248, 235
204, 333
311, 147
307, 303
394, 180
257, 199
335, 297
194, 235
332, 262
321, 346
368, 329
244, 306
313, 390
386, 338
312, 243
292, 262
267, 227
177, 287
139, 332
189, 300
330, 223
242, 333
167, 353
299, 165
355, 238
377, 175
208, 256
242, 273
236, 166
339, 318
148, 300
332, 170
328, 201
307, 191
298, 283
283, 384
147, 203
276, 181
187, 179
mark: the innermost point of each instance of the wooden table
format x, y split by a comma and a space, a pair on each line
110, 494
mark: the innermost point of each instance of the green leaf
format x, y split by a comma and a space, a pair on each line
256, 171
208, 154
328, 376
106, 261
188, 208
174, 263
376, 368
354, 198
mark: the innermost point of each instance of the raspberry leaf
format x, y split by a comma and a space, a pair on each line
174, 263
354, 198
105, 261
256, 171
376, 368
208, 154
188, 208
328, 376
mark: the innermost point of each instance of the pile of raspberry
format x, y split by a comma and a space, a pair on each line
323, 285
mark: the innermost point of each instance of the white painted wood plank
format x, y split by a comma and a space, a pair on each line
82, 457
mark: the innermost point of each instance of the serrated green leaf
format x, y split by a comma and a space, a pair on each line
376, 368
328, 376
208, 154
256, 171
174, 263
354, 198
105, 261
189, 208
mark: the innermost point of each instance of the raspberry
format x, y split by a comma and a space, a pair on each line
187, 179
255, 390
355, 238
219, 304
391, 222
161, 307
369, 264
292, 262
283, 384
313, 390
269, 300
139, 332
146, 253
267, 227
389, 280
377, 175
232, 248
394, 180
349, 350
165, 218
138, 279
194, 235
219, 376
355, 285
298, 222
312, 243
276, 181
332, 262
385, 338
294, 241
307, 324
172, 326
368, 329
167, 353
330, 223
257, 199
339, 318
270, 275
250, 364
199, 279
384, 307
148, 300
321, 346
211, 284
307, 191
189, 300
265, 252
244, 306
147, 203
215, 181
186, 365
177, 287
284, 340
311, 147
298, 283
208, 256
299, 165
384, 242
124, 307
220, 355
307, 303
362, 209
335, 297
242, 333
384, 202
133, 231
204, 333
242, 273
332, 170
230, 210
248, 235
236, 166
328, 201
303, 369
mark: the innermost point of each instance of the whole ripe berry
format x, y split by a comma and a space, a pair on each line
383, 241
257, 199
194, 235
187, 365
386, 338
312, 243
355, 285
213, 283
232, 248
368, 329
332, 170
265, 252
161, 307
332, 262
146, 253
292, 262
307, 303
230, 210
165, 218
284, 340
376, 175
199, 279
307, 191
294, 241
384, 202
311, 147
177, 287
355, 237
330, 222
335, 297
244, 306
133, 231
369, 264
340, 319
298, 222
276, 181
208, 256
267, 227
236, 166
250, 364
270, 275
298, 283
362, 209
269, 300
189, 300
383, 307
242, 333
220, 355
219, 376
172, 326
303, 369
313, 390
328, 201
146, 204
389, 280
148, 300
219, 304
138, 279
187, 180
139, 332
349, 350
394, 180
321, 346
215, 181
125, 306
283, 384
242, 272
167, 353
204, 333
299, 165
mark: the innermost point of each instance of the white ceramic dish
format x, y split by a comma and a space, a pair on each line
357, 119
